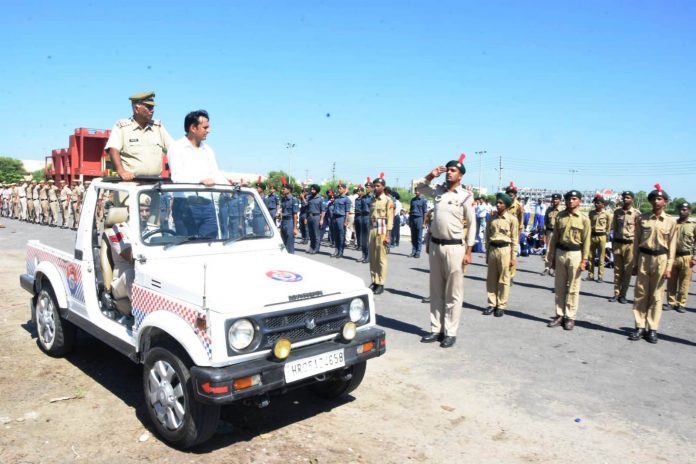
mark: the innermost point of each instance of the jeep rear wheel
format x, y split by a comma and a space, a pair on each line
56, 336
341, 383
178, 418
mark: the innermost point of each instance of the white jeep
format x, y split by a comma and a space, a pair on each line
218, 311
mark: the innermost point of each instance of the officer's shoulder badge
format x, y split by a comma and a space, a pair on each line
156, 122
124, 122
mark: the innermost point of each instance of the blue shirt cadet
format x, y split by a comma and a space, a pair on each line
342, 206
315, 205
290, 206
419, 206
271, 201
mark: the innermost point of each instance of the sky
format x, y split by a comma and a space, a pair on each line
561, 94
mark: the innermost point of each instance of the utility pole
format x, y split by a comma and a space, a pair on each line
397, 182
500, 173
572, 176
333, 172
480, 153
289, 146
306, 174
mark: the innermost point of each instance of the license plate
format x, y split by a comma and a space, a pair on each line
308, 367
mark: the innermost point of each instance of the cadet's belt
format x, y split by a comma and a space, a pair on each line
286, 218
313, 214
625, 241
599, 234
53, 201
650, 252
549, 229
445, 242
570, 247
336, 216
499, 244
683, 253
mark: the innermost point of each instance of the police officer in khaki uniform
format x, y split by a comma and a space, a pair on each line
30, 201
516, 210
448, 250
501, 239
43, 197
136, 144
678, 283
549, 221
22, 195
655, 247
64, 202
36, 199
569, 250
600, 220
381, 223
53, 202
623, 228
75, 199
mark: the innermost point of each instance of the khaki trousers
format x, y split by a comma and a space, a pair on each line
37, 211
30, 210
567, 282
23, 208
446, 287
45, 219
623, 267
64, 213
54, 213
549, 236
650, 285
378, 257
498, 277
678, 284
597, 245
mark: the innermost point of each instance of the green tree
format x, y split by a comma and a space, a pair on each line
11, 170
673, 207
38, 175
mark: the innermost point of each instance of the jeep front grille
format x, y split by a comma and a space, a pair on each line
303, 325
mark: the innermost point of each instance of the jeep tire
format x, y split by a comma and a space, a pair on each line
56, 336
178, 418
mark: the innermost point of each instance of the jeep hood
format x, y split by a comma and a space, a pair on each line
248, 281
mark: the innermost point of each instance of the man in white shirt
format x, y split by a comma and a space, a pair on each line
193, 161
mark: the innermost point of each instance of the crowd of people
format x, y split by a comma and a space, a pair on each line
46, 202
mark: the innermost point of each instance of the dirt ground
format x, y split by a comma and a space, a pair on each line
417, 403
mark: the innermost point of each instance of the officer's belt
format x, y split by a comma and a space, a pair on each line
53, 201
625, 241
650, 252
599, 234
446, 242
571, 247
499, 244
286, 217
683, 253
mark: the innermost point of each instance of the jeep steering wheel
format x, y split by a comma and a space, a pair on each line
161, 230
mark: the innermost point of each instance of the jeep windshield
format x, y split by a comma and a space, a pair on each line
174, 217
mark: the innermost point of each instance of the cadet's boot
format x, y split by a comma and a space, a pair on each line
651, 336
636, 334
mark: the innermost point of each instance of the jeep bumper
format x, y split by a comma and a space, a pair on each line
217, 384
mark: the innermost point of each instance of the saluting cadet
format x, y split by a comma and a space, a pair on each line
75, 202
315, 216
678, 284
419, 206
290, 211
600, 221
22, 195
450, 247
517, 210
341, 210
501, 238
43, 196
36, 199
30, 201
623, 228
362, 222
64, 203
136, 144
569, 250
655, 247
53, 202
381, 223
549, 221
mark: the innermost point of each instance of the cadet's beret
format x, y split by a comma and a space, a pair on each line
341, 185
555, 196
599, 198
628, 193
572, 193
459, 164
511, 188
685, 205
506, 199
395, 195
261, 185
658, 192
147, 98
379, 180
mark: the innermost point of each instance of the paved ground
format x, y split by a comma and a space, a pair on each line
510, 390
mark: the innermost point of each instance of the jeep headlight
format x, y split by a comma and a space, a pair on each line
358, 312
241, 334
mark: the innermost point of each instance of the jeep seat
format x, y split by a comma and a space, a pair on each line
114, 215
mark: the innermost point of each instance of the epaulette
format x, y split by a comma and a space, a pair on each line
124, 122
156, 122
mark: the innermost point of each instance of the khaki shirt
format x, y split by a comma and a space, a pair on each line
516, 210
35, 192
382, 214
22, 191
656, 233
65, 193
571, 229
600, 221
75, 194
502, 228
453, 212
623, 223
43, 193
52, 193
141, 148
550, 216
686, 242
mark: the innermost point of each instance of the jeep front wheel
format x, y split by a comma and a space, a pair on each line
55, 335
178, 418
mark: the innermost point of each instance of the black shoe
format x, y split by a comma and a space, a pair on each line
447, 342
636, 334
613, 299
379, 289
651, 336
425, 299
416, 256
372, 286
680, 309
430, 338
488, 311
498, 312
622, 300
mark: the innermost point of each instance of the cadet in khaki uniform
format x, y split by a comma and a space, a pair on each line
501, 239
53, 202
75, 200
516, 210
599, 221
449, 250
36, 199
655, 247
16, 213
30, 201
381, 223
136, 144
64, 201
623, 228
678, 283
43, 197
549, 221
22, 195
569, 250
